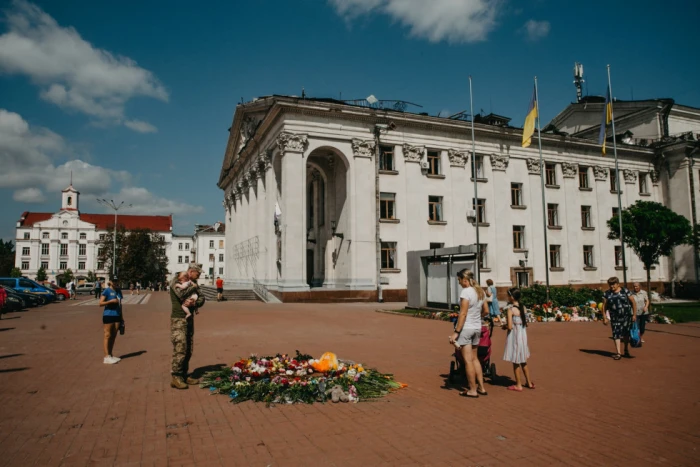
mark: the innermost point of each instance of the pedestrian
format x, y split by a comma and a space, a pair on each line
71, 289
182, 329
516, 349
641, 299
467, 333
219, 289
110, 299
618, 302
492, 299
98, 288
138, 288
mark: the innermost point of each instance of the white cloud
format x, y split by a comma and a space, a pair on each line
71, 72
436, 20
140, 126
536, 30
27, 159
29, 195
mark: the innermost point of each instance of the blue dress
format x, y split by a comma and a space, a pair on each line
493, 306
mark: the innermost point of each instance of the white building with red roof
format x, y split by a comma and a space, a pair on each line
68, 239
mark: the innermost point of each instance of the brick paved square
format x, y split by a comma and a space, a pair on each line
62, 406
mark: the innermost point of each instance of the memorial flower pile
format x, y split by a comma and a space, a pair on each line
286, 379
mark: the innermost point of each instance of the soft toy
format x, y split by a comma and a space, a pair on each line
326, 363
338, 395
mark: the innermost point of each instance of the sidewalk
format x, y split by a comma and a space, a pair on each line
62, 406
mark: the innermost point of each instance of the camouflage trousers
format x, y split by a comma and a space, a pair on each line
182, 337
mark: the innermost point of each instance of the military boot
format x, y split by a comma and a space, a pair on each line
191, 380
178, 383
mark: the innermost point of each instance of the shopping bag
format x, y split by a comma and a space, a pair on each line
635, 339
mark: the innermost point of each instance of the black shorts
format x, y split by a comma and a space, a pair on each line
111, 319
219, 290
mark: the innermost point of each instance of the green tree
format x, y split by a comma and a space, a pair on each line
66, 277
651, 230
140, 255
91, 276
41, 274
7, 257
16, 272
105, 248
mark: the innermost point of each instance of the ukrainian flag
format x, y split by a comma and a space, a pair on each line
606, 120
529, 127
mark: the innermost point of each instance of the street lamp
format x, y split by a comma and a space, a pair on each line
112, 205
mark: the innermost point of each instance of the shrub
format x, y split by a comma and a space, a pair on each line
559, 296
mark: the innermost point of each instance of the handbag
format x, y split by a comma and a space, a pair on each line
635, 339
489, 299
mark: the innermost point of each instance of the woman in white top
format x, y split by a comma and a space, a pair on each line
472, 307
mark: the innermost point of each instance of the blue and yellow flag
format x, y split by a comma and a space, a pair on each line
529, 127
606, 120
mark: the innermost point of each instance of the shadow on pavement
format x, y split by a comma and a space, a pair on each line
13, 317
602, 353
11, 355
133, 354
199, 372
13, 370
6, 329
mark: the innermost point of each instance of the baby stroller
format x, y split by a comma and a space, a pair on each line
459, 370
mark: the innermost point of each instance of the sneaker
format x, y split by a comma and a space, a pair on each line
109, 360
116, 359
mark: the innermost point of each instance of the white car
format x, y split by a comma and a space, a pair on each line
87, 287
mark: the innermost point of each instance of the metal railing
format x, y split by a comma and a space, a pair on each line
261, 290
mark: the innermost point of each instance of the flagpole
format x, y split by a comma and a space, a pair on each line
476, 197
617, 181
544, 205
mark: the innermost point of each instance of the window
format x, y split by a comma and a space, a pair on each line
588, 256
480, 208
553, 215
519, 237
187, 259
386, 158
387, 206
45, 264
100, 265
643, 188
44, 235
389, 255
479, 161
435, 246
211, 243
64, 249
83, 236
516, 194
583, 177
433, 162
179, 259
70, 200
550, 171
555, 256
63, 265
221, 258
100, 252
615, 211
211, 257
25, 251
613, 181
82, 249
483, 256
618, 256
211, 271
64, 236
81, 265
179, 246
25, 265
221, 244
25, 282
187, 246
585, 216
102, 236
44, 249
26, 235
221, 270
435, 208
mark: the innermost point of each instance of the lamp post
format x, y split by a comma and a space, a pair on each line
112, 205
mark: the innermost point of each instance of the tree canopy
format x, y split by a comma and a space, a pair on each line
41, 274
140, 255
7, 257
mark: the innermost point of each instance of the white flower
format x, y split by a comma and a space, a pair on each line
352, 372
290, 372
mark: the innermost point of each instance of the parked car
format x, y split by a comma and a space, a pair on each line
87, 287
12, 302
24, 285
27, 300
61, 293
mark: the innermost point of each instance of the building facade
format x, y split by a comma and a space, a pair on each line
209, 243
300, 189
69, 239
181, 254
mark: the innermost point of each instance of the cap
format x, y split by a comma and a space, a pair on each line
195, 267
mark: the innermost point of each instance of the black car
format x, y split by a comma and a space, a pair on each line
28, 300
13, 302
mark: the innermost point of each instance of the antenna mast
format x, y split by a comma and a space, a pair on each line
578, 80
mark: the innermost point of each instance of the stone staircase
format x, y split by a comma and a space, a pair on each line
230, 294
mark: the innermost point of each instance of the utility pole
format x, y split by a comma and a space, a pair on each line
115, 207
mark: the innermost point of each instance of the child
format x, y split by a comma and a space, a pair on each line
183, 282
517, 351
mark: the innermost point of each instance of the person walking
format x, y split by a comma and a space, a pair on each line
110, 299
98, 288
622, 307
182, 329
467, 331
138, 288
517, 351
492, 299
219, 289
641, 299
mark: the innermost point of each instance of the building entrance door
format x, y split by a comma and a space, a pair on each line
522, 279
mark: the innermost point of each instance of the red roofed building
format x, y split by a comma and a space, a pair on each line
68, 239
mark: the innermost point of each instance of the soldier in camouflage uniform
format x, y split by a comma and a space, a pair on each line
182, 329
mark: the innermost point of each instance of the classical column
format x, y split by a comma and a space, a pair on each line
293, 266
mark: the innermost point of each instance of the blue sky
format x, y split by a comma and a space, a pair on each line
136, 97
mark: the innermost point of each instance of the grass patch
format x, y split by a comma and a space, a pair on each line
679, 312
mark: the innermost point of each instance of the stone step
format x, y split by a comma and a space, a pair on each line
230, 294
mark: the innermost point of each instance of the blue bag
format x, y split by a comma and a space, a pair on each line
635, 339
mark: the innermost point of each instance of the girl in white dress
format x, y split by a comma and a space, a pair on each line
517, 351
